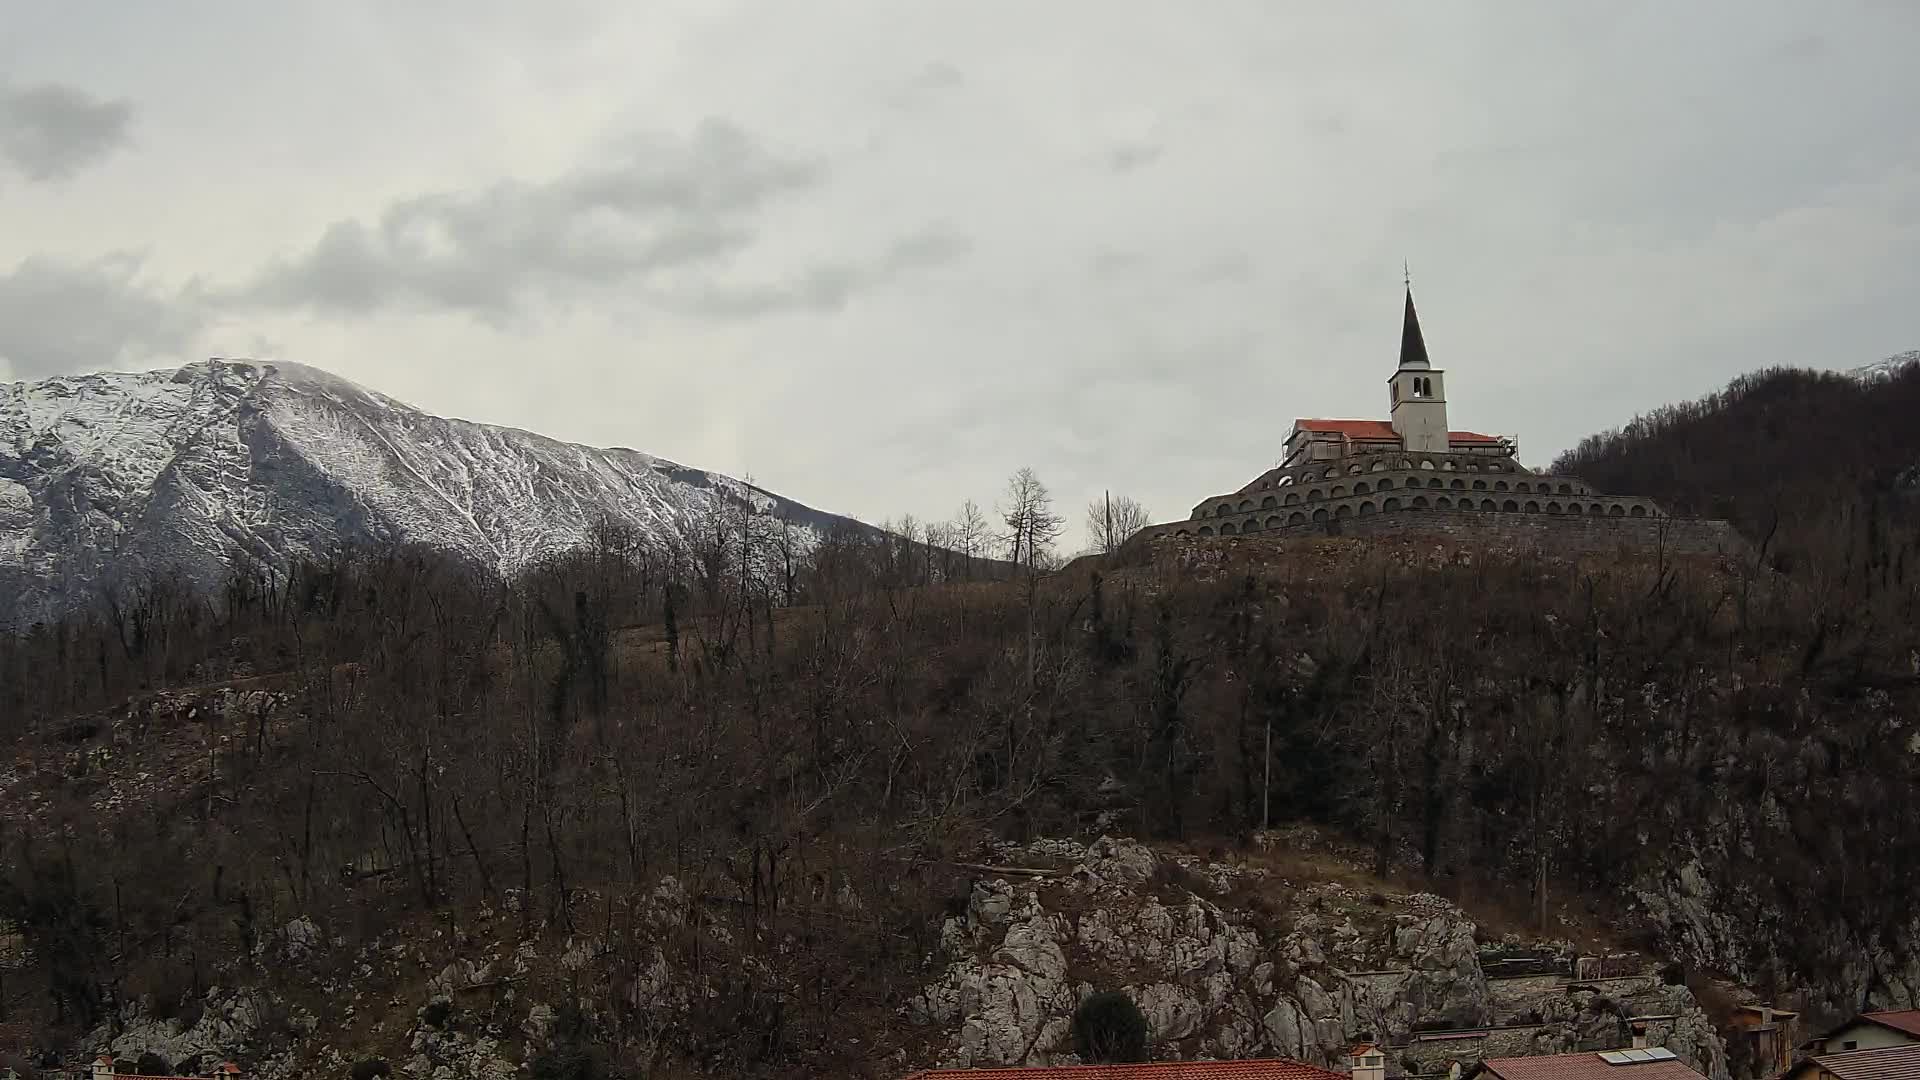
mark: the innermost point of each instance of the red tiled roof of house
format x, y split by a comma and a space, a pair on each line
1380, 430
1273, 1069
1886, 1063
1907, 1020
1585, 1066
1352, 429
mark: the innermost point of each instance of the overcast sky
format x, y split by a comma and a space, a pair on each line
879, 254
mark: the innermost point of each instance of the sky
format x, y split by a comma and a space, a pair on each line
878, 255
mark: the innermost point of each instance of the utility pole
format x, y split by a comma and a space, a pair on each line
1540, 888
1106, 534
1266, 778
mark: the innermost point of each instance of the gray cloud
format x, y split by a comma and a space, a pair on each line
1802, 47
1127, 157
58, 317
936, 76
826, 287
1584, 246
654, 206
50, 132
1230, 266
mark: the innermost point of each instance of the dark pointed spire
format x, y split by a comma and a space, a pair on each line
1413, 346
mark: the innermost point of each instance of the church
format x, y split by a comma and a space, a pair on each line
1411, 471
1418, 412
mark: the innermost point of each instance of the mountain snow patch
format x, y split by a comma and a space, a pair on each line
178, 470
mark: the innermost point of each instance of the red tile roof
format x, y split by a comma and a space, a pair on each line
1585, 1066
1275, 1069
1886, 1063
1380, 430
1907, 1020
1352, 429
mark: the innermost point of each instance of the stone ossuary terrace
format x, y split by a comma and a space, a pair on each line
1371, 482
1413, 474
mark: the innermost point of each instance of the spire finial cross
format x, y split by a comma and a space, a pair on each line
1407, 274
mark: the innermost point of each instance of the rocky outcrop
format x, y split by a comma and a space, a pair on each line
1714, 917
133, 754
229, 1026
1225, 960
1292, 970
457, 1055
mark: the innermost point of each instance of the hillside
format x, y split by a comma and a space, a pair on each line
112, 477
1783, 453
1676, 743
620, 817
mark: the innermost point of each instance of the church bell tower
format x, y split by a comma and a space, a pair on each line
1419, 392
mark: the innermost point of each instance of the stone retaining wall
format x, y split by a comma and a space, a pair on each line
1565, 533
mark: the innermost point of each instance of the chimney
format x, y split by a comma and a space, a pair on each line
1639, 1036
1367, 1061
103, 1067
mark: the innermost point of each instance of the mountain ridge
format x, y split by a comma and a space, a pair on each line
1887, 368
182, 468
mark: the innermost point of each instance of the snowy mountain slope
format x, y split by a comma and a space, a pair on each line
1881, 369
105, 473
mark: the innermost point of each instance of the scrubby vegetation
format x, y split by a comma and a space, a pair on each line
806, 749
1108, 1029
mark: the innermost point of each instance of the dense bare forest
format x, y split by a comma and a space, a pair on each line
1793, 457
807, 738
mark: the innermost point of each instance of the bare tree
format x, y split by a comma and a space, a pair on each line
970, 534
902, 558
939, 550
789, 551
1110, 520
1032, 525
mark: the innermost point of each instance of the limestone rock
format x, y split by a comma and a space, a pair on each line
227, 1028
1172, 1012
1219, 983
1447, 983
1118, 861
538, 1024
1288, 1030
459, 975
300, 940
1315, 1002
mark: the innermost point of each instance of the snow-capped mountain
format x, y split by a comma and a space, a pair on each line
104, 473
1881, 369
